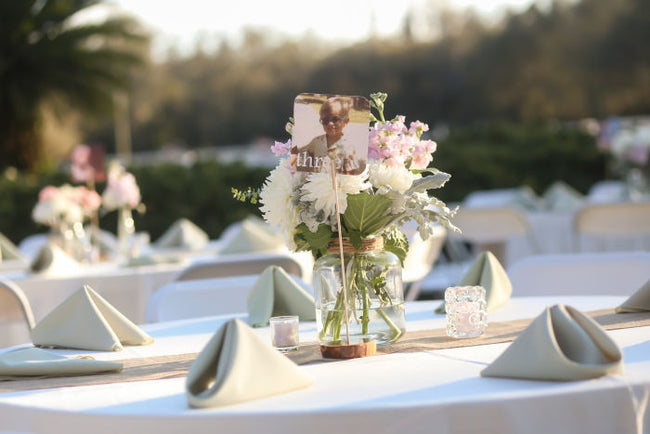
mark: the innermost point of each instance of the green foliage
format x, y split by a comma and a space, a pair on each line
503, 155
365, 216
316, 242
396, 242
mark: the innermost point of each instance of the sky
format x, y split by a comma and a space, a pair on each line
179, 22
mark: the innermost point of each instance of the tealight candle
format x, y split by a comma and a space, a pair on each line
466, 311
284, 332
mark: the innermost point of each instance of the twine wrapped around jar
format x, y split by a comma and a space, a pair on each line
368, 245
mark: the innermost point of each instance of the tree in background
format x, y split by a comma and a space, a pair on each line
45, 56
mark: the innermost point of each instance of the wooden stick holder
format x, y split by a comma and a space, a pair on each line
351, 351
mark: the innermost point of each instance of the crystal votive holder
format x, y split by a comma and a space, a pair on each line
284, 332
466, 311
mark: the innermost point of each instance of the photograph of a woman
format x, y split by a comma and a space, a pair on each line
330, 127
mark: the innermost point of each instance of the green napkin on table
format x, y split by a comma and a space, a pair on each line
86, 321
487, 271
236, 366
561, 344
561, 197
275, 293
34, 362
183, 234
252, 236
638, 302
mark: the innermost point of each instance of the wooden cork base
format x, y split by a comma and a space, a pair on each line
352, 351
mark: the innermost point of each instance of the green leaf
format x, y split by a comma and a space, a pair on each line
396, 242
366, 214
429, 182
315, 241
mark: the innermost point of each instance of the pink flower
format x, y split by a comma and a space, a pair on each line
121, 189
90, 200
81, 169
280, 148
421, 160
418, 128
48, 193
429, 145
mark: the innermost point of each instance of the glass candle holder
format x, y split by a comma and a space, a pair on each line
284, 332
466, 311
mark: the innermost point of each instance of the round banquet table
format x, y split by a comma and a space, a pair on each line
436, 391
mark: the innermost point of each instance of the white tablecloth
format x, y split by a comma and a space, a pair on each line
423, 392
126, 288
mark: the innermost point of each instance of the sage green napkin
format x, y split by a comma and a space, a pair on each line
86, 321
561, 344
638, 302
8, 250
236, 366
275, 293
252, 236
23, 362
561, 197
51, 260
487, 271
183, 234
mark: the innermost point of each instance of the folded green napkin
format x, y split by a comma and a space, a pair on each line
275, 293
252, 236
23, 362
8, 250
561, 344
52, 260
487, 271
236, 366
183, 234
638, 302
86, 321
561, 197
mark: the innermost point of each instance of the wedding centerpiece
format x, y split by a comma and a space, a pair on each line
372, 208
64, 210
122, 194
628, 141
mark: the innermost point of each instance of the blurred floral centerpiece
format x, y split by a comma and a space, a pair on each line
628, 141
122, 194
64, 209
373, 206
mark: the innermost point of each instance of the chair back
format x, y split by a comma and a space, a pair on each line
491, 228
203, 297
420, 259
611, 221
592, 273
238, 265
490, 225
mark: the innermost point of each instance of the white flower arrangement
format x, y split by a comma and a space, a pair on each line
122, 190
393, 190
65, 205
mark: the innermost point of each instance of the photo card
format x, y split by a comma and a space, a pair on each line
330, 127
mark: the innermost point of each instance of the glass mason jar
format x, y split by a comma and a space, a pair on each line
374, 292
125, 232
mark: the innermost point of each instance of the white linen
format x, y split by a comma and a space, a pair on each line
430, 391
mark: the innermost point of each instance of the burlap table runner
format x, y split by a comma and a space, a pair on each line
162, 367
